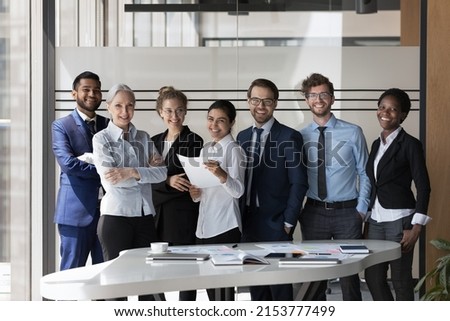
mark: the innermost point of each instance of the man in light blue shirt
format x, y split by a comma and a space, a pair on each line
337, 200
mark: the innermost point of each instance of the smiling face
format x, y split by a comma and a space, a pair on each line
121, 108
218, 124
88, 96
261, 112
320, 105
390, 114
173, 113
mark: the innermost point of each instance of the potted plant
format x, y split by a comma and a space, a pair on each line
439, 276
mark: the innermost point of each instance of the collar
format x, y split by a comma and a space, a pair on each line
116, 132
267, 126
331, 123
84, 117
391, 136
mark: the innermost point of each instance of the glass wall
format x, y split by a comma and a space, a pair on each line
15, 161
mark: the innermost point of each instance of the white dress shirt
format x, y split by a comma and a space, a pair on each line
130, 197
219, 205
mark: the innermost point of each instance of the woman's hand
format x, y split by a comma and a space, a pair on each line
116, 175
179, 182
156, 160
410, 238
214, 167
195, 192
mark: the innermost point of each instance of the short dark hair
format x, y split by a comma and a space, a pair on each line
266, 83
85, 75
315, 80
226, 106
401, 96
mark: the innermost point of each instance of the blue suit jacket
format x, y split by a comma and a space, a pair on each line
79, 182
282, 184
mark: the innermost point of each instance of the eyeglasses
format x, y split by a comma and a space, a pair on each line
170, 112
323, 95
266, 101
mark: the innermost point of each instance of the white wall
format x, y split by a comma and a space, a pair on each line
234, 69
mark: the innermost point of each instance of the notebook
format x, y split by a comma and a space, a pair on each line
237, 258
169, 256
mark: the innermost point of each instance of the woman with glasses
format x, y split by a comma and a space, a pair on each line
177, 214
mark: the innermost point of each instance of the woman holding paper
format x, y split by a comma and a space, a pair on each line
219, 220
176, 213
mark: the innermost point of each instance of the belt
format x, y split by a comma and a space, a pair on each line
332, 206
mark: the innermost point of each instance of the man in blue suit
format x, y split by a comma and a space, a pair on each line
276, 181
77, 206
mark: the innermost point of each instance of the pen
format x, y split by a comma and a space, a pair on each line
320, 253
234, 246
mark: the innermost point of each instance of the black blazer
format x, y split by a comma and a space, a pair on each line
282, 184
402, 163
176, 213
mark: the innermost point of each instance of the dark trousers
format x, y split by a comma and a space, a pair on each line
401, 269
118, 233
274, 292
77, 242
318, 223
231, 236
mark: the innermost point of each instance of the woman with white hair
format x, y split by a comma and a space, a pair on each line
128, 163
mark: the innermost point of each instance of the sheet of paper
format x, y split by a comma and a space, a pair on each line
197, 173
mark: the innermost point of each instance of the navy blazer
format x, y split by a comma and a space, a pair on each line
79, 182
282, 184
402, 163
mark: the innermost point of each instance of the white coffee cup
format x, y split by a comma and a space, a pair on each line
159, 247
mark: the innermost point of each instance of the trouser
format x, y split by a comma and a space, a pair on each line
401, 269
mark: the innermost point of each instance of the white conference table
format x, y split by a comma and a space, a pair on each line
130, 275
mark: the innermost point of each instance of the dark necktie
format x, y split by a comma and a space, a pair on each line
321, 178
255, 157
91, 125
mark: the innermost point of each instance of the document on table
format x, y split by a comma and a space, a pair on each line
197, 173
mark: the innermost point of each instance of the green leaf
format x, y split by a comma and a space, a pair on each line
441, 244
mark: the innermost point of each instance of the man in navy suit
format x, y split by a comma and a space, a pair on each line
77, 206
276, 180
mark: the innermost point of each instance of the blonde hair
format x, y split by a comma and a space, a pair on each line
168, 92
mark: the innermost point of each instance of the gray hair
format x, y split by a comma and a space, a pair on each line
117, 88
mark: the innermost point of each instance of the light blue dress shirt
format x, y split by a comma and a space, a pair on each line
130, 197
346, 156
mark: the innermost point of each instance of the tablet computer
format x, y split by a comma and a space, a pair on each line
170, 256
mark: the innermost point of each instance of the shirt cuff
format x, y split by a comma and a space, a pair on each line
421, 219
287, 224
